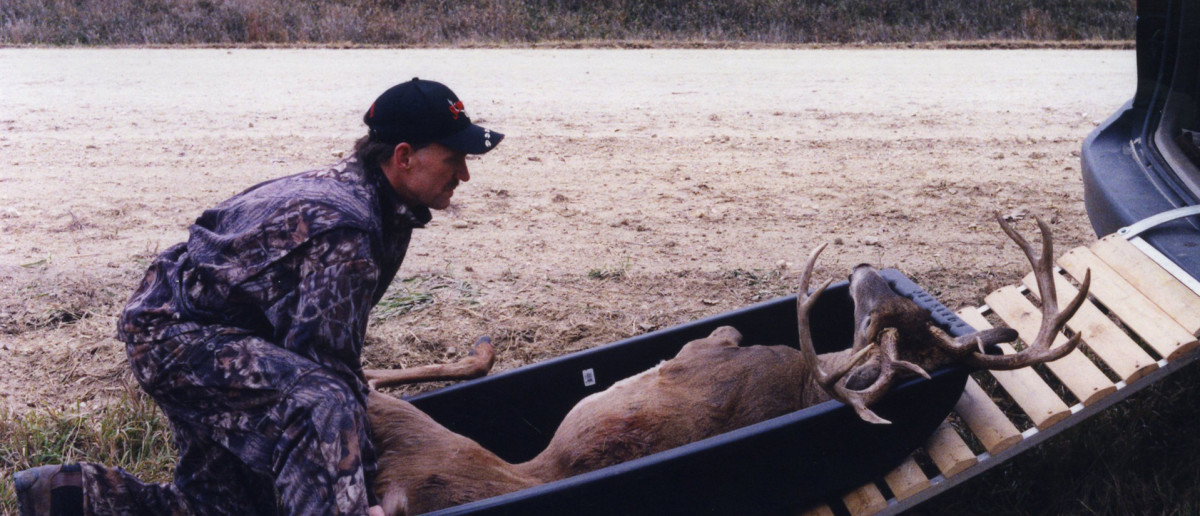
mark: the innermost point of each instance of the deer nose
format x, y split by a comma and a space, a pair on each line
858, 267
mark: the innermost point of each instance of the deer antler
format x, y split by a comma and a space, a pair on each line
831, 380
804, 303
970, 347
890, 364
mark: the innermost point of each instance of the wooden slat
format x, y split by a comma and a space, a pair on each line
864, 501
1075, 370
1108, 341
949, 451
1036, 397
985, 419
1156, 328
1173, 297
1024, 386
907, 479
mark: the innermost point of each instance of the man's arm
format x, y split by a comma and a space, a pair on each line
328, 318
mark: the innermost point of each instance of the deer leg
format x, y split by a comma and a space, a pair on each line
476, 364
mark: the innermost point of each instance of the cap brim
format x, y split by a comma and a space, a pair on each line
473, 140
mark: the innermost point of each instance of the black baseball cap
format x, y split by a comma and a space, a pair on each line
420, 112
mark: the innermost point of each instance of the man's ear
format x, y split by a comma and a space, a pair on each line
396, 168
401, 156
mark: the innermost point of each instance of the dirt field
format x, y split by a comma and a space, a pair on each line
636, 189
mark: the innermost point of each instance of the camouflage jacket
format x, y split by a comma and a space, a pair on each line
298, 261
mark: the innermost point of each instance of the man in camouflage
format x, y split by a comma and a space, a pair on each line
249, 335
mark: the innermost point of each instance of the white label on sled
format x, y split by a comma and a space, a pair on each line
589, 377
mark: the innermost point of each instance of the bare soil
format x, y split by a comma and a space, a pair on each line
636, 189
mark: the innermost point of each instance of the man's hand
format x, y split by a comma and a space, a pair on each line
375, 510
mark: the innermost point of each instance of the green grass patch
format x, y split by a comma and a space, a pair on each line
131, 433
606, 273
765, 283
418, 292
612, 272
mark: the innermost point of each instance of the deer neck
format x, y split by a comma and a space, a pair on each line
814, 393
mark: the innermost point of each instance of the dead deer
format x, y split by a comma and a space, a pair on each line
712, 386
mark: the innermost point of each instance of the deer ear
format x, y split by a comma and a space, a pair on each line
863, 377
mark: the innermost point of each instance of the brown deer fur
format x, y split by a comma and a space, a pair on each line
710, 387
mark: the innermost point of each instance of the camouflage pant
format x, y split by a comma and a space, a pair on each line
259, 430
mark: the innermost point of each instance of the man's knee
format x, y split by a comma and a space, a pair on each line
328, 400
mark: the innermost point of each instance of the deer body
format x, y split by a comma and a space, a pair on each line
712, 386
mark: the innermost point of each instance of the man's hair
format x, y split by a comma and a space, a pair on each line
372, 153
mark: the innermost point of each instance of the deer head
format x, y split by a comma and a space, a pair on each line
894, 338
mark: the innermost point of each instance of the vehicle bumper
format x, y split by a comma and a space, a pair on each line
1121, 187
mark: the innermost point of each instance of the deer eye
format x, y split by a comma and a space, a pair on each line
865, 323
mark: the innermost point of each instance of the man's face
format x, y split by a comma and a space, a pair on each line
432, 174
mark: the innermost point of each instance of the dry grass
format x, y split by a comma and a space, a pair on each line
508, 22
35, 297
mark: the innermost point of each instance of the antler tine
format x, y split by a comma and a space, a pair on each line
1065, 315
1053, 319
808, 268
890, 365
804, 303
1043, 266
1047, 249
966, 344
1039, 350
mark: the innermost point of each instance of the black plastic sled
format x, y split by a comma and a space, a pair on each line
802, 457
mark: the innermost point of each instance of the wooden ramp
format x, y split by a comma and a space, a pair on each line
1140, 325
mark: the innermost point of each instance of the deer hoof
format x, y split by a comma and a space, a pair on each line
484, 345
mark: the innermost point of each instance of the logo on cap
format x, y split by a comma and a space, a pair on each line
456, 108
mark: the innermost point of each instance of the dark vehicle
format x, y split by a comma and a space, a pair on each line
1141, 167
